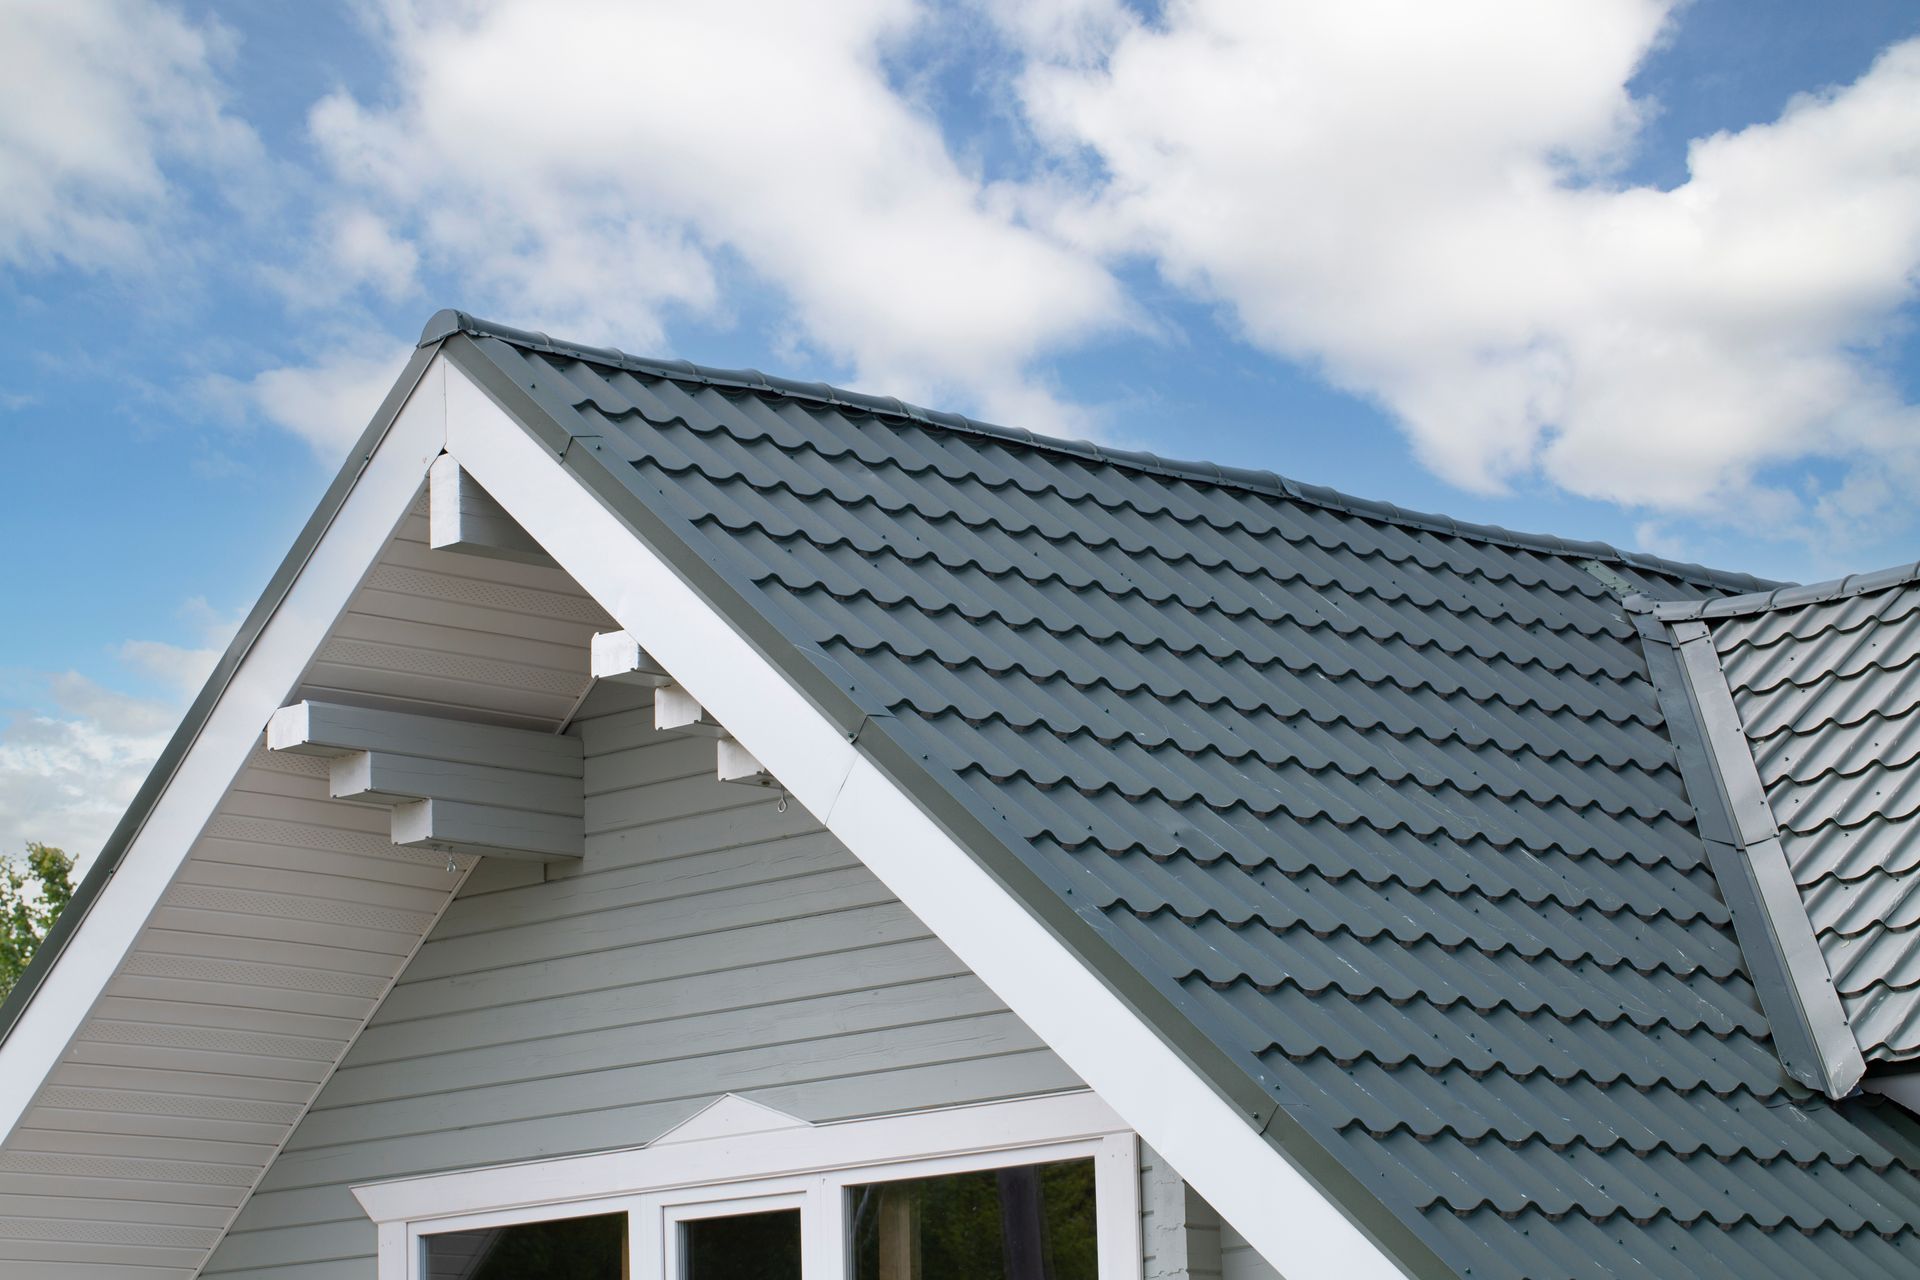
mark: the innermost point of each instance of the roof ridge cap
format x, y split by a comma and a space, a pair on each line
446, 323
1790, 597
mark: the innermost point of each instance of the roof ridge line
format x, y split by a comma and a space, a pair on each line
1767, 601
447, 322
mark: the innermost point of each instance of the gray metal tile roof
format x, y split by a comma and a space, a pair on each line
1828, 693
1381, 809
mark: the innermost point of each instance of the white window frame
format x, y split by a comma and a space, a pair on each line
711, 1169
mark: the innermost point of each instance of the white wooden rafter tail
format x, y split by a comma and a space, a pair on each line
452, 827
330, 730
617, 656
1254, 1187
462, 517
676, 710
450, 785
374, 507
734, 763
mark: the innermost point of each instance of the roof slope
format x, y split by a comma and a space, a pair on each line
1826, 682
1383, 809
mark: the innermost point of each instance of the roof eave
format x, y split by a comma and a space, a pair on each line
107, 861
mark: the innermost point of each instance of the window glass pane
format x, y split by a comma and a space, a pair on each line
1035, 1222
568, 1249
746, 1246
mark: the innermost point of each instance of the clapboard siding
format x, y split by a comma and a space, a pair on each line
707, 943
276, 940
1238, 1261
1179, 1232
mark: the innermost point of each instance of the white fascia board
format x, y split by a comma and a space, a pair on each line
1244, 1177
272, 669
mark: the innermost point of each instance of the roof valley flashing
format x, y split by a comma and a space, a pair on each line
1742, 837
1809, 698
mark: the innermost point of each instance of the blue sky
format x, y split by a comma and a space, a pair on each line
1625, 270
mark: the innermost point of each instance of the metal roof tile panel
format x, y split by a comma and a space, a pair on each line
1888, 737
1873, 958
1385, 808
1888, 900
1887, 1018
1477, 874
1600, 1116
1851, 853
1511, 1177
1829, 704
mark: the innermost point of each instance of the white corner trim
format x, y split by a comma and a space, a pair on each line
374, 507
1286, 1219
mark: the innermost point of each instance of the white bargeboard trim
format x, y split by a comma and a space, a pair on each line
1244, 1177
378, 501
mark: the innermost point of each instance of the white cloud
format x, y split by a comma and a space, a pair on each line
97, 99
67, 773
182, 669
641, 147
327, 402
352, 248
1418, 199
69, 769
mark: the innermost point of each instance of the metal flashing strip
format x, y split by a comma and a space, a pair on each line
1854, 584
445, 324
1810, 1028
1616, 585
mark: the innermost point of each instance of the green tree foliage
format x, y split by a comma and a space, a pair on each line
33, 892
962, 1224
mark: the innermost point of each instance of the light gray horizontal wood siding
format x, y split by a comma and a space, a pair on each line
1179, 1232
707, 943
1238, 1261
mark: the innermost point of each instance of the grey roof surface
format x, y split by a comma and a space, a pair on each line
1828, 693
1375, 817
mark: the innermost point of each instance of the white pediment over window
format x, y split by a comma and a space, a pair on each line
729, 1116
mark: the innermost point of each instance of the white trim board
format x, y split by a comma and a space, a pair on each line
703, 1168
378, 501
1244, 1177
715, 1156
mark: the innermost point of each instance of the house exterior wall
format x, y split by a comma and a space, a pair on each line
1181, 1235
1238, 1260
707, 943
1179, 1232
